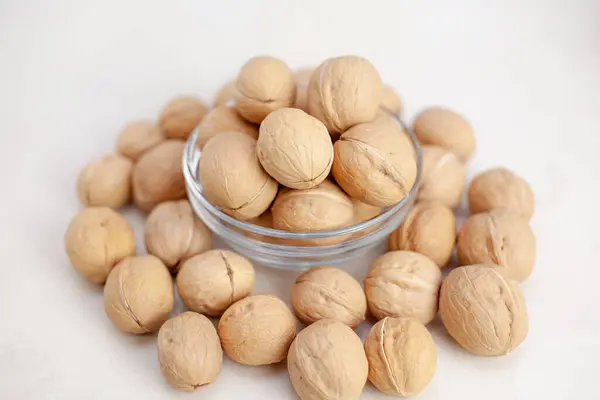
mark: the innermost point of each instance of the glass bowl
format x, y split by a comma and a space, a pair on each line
282, 249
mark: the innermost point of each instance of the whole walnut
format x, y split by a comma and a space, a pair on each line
344, 91
402, 356
443, 177
302, 78
96, 240
328, 293
137, 137
158, 175
225, 94
295, 148
138, 295
257, 330
501, 188
483, 310
210, 282
390, 100
498, 237
181, 115
327, 361
374, 162
403, 284
189, 351
445, 128
429, 229
174, 233
264, 220
223, 119
232, 177
264, 84
106, 181
364, 212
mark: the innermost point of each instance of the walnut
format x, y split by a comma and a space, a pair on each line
443, 177
137, 137
181, 116
223, 119
106, 181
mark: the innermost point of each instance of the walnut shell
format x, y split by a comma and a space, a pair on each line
264, 84
344, 91
443, 177
302, 78
138, 295
445, 128
483, 310
374, 162
498, 237
429, 229
295, 148
212, 281
328, 293
174, 233
189, 351
158, 175
501, 188
257, 330
137, 137
106, 181
403, 284
232, 177
364, 212
327, 361
402, 356
223, 119
225, 94
180, 116
96, 240
390, 100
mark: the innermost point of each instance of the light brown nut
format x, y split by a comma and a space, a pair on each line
498, 237
106, 181
364, 212
181, 115
445, 128
174, 233
443, 177
302, 78
403, 284
96, 240
264, 84
225, 94
344, 91
223, 119
295, 148
212, 281
189, 351
264, 220
402, 356
328, 293
483, 310
501, 188
327, 361
374, 162
429, 229
137, 137
257, 330
391, 100
232, 177
158, 175
138, 295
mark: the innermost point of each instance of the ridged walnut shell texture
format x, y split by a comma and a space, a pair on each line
344, 91
445, 128
429, 229
390, 100
327, 361
375, 162
96, 240
180, 116
174, 233
223, 119
211, 282
328, 293
158, 175
403, 284
443, 177
264, 84
106, 181
295, 148
501, 188
189, 351
138, 295
402, 356
232, 177
257, 330
498, 237
137, 137
483, 310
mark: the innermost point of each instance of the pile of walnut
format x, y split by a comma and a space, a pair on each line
286, 164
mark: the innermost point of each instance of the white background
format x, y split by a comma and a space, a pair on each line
526, 74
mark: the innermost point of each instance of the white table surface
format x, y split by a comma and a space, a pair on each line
526, 74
